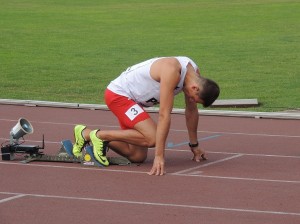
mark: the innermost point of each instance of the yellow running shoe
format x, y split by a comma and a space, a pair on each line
79, 140
99, 148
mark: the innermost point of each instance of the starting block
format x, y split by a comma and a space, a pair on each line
66, 155
88, 158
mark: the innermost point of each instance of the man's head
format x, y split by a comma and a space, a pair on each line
209, 91
201, 90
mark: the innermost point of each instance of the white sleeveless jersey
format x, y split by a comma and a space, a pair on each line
137, 84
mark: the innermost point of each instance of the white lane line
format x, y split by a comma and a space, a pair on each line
30, 140
208, 164
199, 175
176, 130
240, 133
12, 198
258, 155
170, 205
188, 151
144, 172
75, 167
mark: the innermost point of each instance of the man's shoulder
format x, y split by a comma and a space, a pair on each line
169, 62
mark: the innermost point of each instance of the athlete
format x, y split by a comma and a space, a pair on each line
155, 81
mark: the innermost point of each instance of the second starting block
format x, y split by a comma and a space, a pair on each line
88, 158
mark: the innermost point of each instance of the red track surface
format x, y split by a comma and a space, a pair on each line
252, 175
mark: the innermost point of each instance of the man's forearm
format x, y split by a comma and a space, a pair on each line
163, 127
192, 118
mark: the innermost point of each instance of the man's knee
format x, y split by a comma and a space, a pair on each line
151, 142
138, 157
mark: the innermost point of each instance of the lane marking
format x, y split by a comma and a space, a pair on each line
239, 133
12, 198
171, 144
29, 140
208, 164
240, 178
145, 203
176, 130
144, 172
188, 151
258, 155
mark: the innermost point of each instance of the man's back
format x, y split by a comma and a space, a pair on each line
141, 82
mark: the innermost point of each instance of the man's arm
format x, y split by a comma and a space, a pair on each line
169, 78
192, 118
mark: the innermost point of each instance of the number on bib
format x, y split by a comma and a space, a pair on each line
134, 111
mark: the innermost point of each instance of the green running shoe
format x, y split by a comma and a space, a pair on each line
79, 140
99, 148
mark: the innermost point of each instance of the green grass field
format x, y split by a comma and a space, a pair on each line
69, 50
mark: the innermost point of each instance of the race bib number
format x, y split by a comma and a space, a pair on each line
134, 111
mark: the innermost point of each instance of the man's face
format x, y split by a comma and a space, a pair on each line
193, 94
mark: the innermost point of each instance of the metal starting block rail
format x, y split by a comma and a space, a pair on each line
51, 158
65, 155
121, 161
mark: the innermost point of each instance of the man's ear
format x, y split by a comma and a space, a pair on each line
195, 87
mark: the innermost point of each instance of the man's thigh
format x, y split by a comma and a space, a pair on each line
148, 129
128, 112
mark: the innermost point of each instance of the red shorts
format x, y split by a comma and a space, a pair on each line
128, 112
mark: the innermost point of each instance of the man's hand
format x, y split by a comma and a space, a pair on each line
198, 154
158, 167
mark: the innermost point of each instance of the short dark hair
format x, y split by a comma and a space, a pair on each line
210, 91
